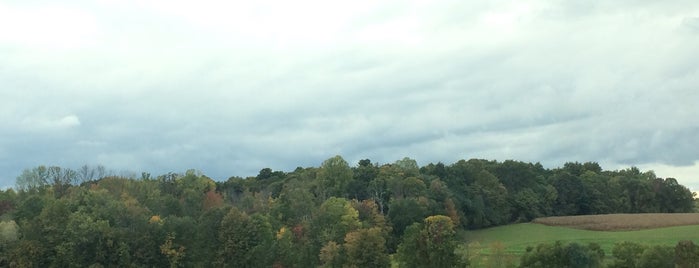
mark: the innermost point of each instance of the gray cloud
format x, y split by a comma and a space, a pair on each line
233, 89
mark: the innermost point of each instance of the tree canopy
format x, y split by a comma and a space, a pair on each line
334, 215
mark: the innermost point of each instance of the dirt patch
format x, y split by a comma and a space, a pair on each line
622, 222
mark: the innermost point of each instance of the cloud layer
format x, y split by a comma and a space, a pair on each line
230, 88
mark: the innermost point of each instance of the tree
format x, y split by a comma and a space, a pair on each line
430, 244
366, 248
626, 254
572, 255
64, 218
600, 191
264, 174
637, 189
33, 179
87, 173
672, 196
61, 179
86, 242
408, 167
243, 239
489, 201
516, 175
294, 204
330, 255
410, 187
212, 199
369, 216
572, 197
334, 176
657, 257
686, 254
204, 248
8, 232
335, 218
364, 173
412, 252
404, 212
525, 206
28, 253
173, 253
378, 190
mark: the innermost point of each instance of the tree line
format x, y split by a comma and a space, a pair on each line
334, 215
685, 254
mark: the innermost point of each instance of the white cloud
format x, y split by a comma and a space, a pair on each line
687, 175
232, 87
41, 123
47, 27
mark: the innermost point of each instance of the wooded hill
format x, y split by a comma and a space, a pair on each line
334, 215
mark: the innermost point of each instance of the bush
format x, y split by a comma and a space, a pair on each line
558, 255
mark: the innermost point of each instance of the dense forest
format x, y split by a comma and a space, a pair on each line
335, 215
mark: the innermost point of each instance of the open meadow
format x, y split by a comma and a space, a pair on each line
511, 241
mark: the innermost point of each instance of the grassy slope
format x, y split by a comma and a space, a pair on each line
517, 237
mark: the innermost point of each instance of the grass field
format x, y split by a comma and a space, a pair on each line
496, 246
516, 237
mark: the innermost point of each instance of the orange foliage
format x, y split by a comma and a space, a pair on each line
212, 199
451, 211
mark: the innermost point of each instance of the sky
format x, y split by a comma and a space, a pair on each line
231, 87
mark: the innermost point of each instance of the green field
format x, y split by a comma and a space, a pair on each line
517, 237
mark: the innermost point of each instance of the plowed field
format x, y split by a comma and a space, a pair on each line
622, 222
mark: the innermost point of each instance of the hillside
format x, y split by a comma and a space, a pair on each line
336, 214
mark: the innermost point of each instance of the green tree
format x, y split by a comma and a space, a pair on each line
378, 190
364, 173
672, 196
8, 232
410, 187
525, 205
572, 255
657, 257
330, 255
572, 196
206, 243
294, 204
489, 205
28, 253
687, 254
366, 248
243, 239
626, 254
8, 201
404, 212
408, 167
334, 219
334, 176
33, 179
430, 244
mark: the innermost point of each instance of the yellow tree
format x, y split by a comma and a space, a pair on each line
173, 253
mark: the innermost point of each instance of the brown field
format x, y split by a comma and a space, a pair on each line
622, 222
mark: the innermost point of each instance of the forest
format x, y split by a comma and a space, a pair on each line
334, 215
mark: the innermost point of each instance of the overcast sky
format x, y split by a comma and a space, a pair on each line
231, 87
